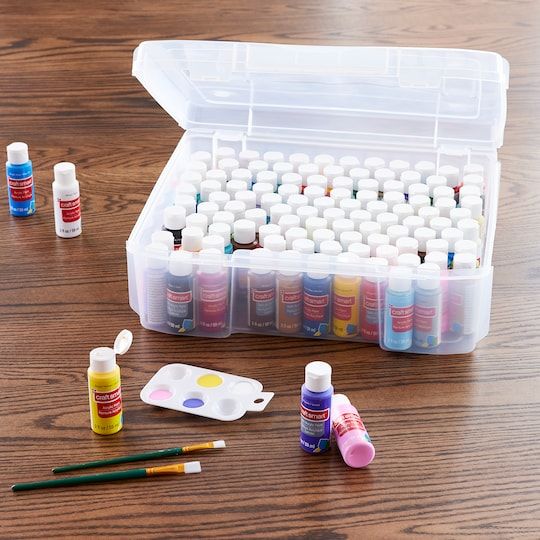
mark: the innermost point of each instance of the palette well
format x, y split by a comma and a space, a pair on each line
204, 392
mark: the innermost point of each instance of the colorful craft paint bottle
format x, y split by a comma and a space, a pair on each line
180, 292
346, 296
261, 290
463, 298
20, 180
104, 386
315, 405
212, 292
155, 284
67, 201
372, 299
427, 324
440, 259
398, 319
174, 221
289, 290
350, 433
317, 296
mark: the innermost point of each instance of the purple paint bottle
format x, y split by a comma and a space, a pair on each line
315, 403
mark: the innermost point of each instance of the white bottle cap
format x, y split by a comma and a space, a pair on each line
375, 269
339, 194
457, 214
407, 245
186, 202
396, 231
192, 177
375, 240
294, 233
388, 252
272, 157
418, 189
267, 177
433, 181
286, 190
192, 238
425, 168
394, 185
419, 201
321, 235
291, 178
298, 159
409, 260
213, 241
442, 192
164, 237
270, 199
103, 359
64, 172
399, 166
445, 205
393, 198
474, 180
242, 174
339, 226
260, 261
256, 166
399, 279
375, 208
181, 263
249, 198
367, 184
350, 205
297, 201
323, 160
318, 376
349, 162
440, 258
384, 175
222, 229
412, 223
317, 180
330, 248
362, 250
347, 238
365, 197
237, 208
257, 215
219, 176
210, 261
221, 198
244, 231
185, 188
451, 174
307, 169
259, 189
202, 155
470, 229
246, 156
474, 204
318, 266
343, 182
228, 165
374, 163
452, 235
368, 228
174, 218
198, 166
427, 213
267, 230
466, 246
438, 244
429, 276
358, 174
473, 168
199, 221
358, 217
410, 178
423, 234
281, 168
385, 220
279, 210
289, 262
322, 203
347, 263
314, 223
235, 186
275, 243
469, 190
464, 261
207, 209
312, 193
331, 214
225, 152
438, 224
305, 212
288, 222
304, 246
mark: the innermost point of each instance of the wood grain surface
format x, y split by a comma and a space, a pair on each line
456, 438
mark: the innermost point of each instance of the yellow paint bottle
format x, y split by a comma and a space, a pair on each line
346, 296
104, 388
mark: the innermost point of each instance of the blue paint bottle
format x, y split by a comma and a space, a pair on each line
180, 292
317, 296
315, 403
399, 309
20, 181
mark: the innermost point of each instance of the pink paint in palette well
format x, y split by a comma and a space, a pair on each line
160, 394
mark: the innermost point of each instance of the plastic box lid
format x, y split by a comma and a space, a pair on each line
377, 95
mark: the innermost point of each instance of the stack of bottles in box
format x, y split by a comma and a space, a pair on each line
324, 247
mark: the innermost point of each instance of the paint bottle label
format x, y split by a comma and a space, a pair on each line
349, 422
289, 304
105, 404
401, 318
427, 320
345, 306
20, 183
315, 423
398, 324
463, 309
316, 306
370, 310
68, 216
213, 296
180, 304
262, 294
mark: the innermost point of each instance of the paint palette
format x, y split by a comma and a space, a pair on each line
205, 392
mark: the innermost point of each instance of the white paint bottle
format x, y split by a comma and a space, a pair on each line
67, 201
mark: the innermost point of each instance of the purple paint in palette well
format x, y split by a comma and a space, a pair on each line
160, 394
193, 403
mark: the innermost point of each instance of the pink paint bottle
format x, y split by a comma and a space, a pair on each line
350, 433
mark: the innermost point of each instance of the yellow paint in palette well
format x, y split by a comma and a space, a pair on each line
209, 380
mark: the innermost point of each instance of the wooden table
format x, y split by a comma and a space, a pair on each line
456, 438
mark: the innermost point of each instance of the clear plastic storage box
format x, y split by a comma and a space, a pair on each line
446, 106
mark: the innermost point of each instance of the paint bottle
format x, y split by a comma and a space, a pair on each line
440, 259
427, 323
451, 235
261, 290
174, 221
67, 201
350, 433
346, 296
20, 180
317, 296
223, 230
244, 235
468, 246
289, 291
164, 237
192, 239
372, 299
212, 293
399, 309
104, 386
422, 235
180, 316
155, 284
315, 405
463, 298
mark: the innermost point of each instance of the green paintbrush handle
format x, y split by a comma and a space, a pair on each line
123, 459
86, 479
